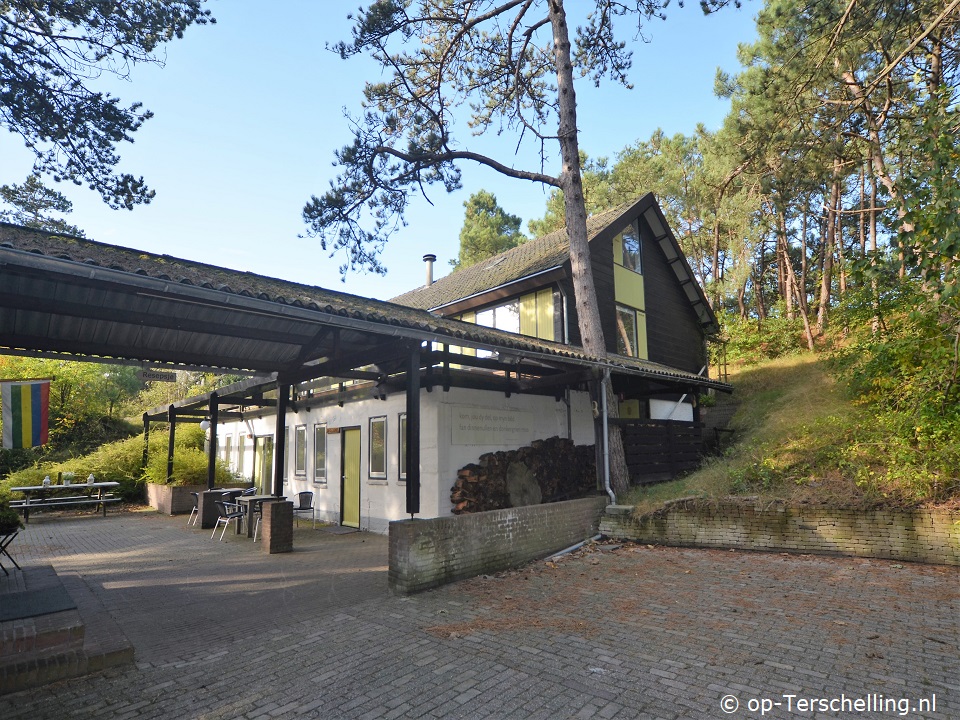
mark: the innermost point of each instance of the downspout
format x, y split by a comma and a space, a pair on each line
606, 439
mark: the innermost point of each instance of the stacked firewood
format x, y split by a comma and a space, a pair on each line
562, 471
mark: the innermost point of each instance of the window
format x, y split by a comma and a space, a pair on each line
378, 447
403, 446
626, 331
228, 450
631, 250
320, 453
241, 450
300, 450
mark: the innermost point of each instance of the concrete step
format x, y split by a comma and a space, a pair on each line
42, 649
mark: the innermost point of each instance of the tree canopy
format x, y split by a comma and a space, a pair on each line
31, 204
487, 230
52, 54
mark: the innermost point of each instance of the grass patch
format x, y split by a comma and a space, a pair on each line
800, 438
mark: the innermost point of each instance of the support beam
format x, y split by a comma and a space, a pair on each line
172, 419
413, 431
280, 438
212, 447
146, 442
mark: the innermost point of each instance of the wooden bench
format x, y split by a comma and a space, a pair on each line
47, 497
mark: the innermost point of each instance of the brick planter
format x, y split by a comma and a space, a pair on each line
172, 499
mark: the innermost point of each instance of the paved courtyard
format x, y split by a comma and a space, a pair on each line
222, 630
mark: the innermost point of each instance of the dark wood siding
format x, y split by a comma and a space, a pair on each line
674, 336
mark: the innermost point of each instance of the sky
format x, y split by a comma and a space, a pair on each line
249, 112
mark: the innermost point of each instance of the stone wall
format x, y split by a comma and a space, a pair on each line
921, 535
433, 552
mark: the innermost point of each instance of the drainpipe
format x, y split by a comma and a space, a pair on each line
606, 438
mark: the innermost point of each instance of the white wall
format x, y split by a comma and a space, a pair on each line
456, 428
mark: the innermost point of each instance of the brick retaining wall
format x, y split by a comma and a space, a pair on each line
920, 535
429, 553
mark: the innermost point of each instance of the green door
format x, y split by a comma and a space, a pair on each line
263, 464
350, 483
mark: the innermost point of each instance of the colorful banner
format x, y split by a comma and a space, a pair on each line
25, 407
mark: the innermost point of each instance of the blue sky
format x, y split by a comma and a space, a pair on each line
248, 114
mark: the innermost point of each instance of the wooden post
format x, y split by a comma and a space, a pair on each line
413, 431
172, 419
212, 447
146, 442
280, 439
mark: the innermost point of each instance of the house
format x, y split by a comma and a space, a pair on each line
651, 306
374, 406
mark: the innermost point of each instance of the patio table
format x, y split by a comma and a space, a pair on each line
249, 502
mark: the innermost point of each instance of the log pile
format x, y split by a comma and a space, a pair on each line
562, 470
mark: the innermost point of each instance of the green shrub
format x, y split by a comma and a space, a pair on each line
189, 468
751, 340
121, 462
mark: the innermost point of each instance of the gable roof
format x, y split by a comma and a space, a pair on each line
552, 251
530, 258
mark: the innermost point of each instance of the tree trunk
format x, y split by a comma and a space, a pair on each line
826, 276
575, 214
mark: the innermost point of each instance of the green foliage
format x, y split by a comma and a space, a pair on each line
9, 520
49, 56
121, 462
31, 204
189, 468
750, 340
488, 230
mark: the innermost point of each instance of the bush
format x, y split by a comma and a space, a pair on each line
189, 468
121, 462
751, 340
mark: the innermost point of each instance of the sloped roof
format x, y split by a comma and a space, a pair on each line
529, 258
73, 295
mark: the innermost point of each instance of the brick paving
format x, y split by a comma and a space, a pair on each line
222, 630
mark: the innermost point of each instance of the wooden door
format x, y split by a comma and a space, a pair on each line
350, 478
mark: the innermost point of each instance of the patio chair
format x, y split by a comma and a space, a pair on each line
195, 511
305, 505
256, 509
228, 513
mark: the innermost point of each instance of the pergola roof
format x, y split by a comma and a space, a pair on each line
78, 297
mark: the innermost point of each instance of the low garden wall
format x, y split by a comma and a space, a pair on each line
428, 553
921, 535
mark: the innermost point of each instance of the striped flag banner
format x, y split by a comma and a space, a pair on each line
26, 407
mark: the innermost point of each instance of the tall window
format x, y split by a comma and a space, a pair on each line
403, 446
626, 331
300, 450
241, 451
320, 453
631, 250
228, 450
378, 447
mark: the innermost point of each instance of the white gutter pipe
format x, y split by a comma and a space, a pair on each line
606, 437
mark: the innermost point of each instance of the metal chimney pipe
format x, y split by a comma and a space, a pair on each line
429, 259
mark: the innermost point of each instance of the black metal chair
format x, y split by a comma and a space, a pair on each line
228, 513
256, 508
305, 505
195, 512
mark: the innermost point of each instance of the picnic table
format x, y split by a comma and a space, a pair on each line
52, 496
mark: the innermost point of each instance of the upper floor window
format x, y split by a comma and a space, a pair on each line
627, 331
627, 250
502, 317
